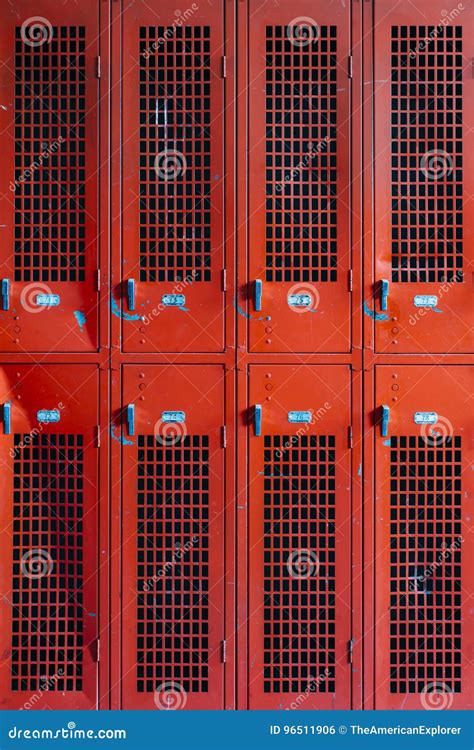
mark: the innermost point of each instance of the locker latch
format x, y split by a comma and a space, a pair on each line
257, 419
131, 419
384, 294
258, 291
385, 420
7, 418
131, 294
5, 294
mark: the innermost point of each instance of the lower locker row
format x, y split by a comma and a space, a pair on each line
175, 493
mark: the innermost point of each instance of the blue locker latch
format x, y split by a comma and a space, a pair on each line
131, 294
384, 294
5, 294
385, 419
257, 419
131, 419
258, 290
7, 418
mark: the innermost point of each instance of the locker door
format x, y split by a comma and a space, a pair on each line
173, 178
48, 180
424, 561
298, 174
424, 224
299, 537
48, 522
173, 537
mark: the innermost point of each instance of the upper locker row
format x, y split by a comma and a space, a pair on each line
295, 255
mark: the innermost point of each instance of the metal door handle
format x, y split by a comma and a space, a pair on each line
384, 294
7, 418
385, 420
257, 419
131, 294
5, 294
131, 419
258, 291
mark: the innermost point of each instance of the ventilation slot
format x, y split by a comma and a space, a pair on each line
173, 563
301, 167
48, 550
49, 183
425, 564
299, 564
175, 144
427, 192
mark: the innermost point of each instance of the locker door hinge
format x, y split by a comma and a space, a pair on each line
224, 279
97, 436
224, 66
350, 650
224, 436
349, 435
97, 276
97, 650
223, 652
97, 66
350, 279
349, 66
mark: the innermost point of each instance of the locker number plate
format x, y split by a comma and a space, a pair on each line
48, 415
299, 300
173, 300
47, 300
425, 300
173, 416
425, 417
300, 416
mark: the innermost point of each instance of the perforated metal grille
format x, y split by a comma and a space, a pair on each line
48, 550
50, 156
425, 563
173, 563
301, 166
299, 563
175, 145
427, 189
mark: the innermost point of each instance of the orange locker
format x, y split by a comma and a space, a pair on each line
173, 537
423, 558
49, 541
299, 532
172, 295
49, 178
298, 177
